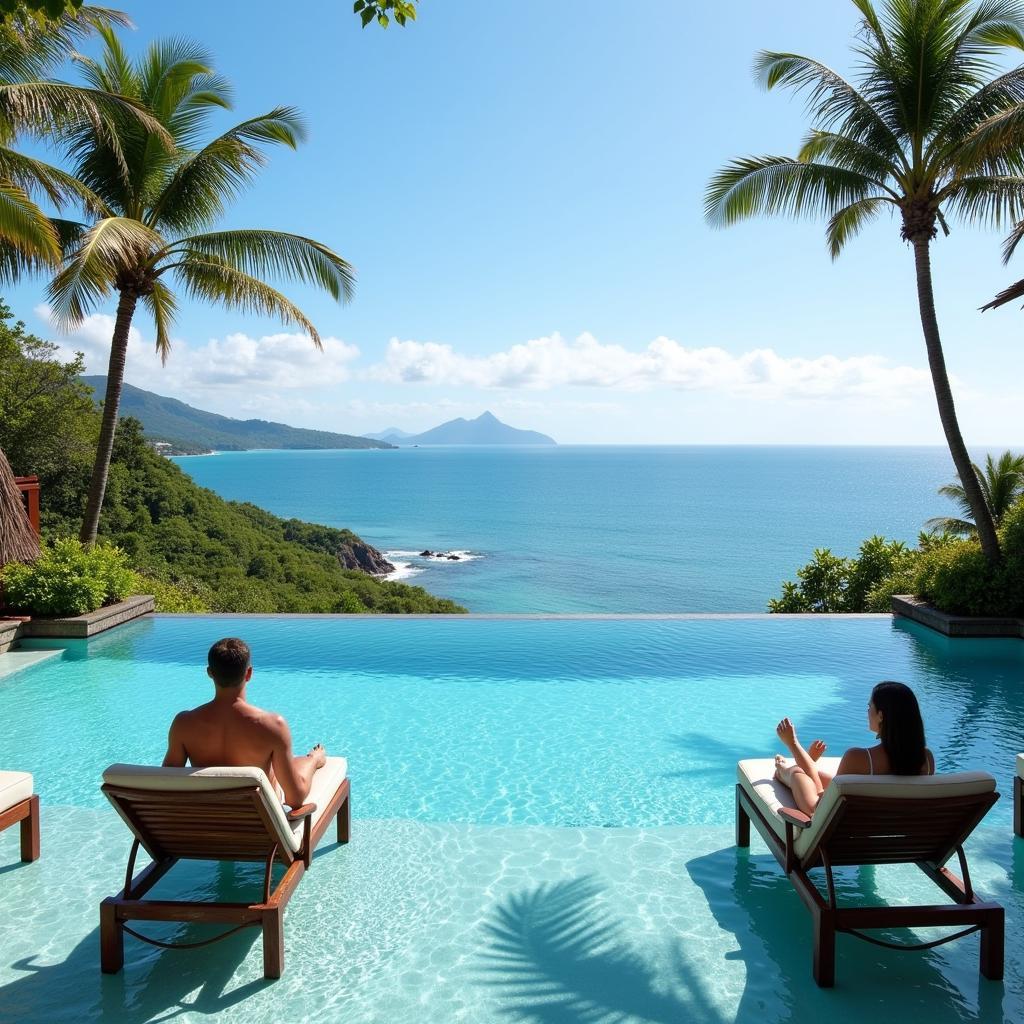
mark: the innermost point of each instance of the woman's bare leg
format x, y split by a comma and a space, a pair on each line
801, 785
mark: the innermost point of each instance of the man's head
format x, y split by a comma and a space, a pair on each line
229, 663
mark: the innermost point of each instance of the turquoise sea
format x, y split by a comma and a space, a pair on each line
598, 529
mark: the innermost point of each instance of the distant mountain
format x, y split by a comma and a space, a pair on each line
391, 434
192, 430
485, 429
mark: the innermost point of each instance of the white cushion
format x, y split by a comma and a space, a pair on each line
14, 787
186, 780
1020, 765
755, 776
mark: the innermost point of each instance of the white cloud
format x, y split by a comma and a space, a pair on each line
235, 363
544, 363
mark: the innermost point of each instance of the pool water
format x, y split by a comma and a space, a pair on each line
543, 820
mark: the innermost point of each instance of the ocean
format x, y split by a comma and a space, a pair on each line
597, 528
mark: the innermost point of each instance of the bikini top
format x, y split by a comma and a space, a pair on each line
928, 756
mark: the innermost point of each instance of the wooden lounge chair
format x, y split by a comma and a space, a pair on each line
864, 819
230, 814
19, 804
1018, 797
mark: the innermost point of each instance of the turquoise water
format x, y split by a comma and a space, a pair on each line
543, 822
598, 529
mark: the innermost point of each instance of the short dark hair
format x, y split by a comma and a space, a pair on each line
229, 660
902, 732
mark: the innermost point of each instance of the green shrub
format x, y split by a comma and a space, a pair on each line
69, 579
183, 595
957, 578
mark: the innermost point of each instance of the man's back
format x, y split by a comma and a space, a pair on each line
236, 734
231, 732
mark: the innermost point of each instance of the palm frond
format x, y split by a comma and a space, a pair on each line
848, 222
163, 307
37, 177
25, 231
90, 271
782, 185
277, 254
1014, 291
956, 527
987, 199
211, 278
835, 103
201, 186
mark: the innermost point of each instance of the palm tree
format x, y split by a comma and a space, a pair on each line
929, 130
31, 45
156, 225
1001, 482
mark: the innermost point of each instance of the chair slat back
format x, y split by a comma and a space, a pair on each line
899, 830
219, 824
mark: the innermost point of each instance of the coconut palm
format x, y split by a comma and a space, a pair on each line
930, 130
31, 45
1002, 483
156, 233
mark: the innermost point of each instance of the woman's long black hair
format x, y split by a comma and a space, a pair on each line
902, 732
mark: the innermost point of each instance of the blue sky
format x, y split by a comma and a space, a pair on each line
521, 193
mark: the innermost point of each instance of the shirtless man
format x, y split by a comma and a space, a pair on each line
231, 732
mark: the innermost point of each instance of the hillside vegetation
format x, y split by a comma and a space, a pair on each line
197, 551
194, 430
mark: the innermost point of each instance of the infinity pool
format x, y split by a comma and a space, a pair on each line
543, 819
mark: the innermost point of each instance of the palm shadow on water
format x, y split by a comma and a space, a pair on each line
554, 956
709, 749
154, 985
752, 898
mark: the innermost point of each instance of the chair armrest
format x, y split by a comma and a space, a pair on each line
301, 812
794, 817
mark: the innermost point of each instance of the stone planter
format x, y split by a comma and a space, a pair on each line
9, 629
914, 608
79, 627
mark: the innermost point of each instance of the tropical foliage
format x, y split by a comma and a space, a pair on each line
196, 551
930, 130
866, 583
383, 11
159, 194
34, 106
68, 579
1002, 483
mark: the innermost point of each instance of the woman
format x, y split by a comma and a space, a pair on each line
893, 716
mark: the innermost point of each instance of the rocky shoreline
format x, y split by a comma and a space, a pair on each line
365, 557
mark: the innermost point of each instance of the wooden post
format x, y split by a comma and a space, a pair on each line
992, 939
1018, 805
30, 832
111, 938
345, 821
742, 821
273, 942
29, 487
824, 948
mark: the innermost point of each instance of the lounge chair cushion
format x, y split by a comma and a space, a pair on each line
185, 780
14, 787
1020, 765
755, 776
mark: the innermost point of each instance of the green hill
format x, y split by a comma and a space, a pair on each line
193, 430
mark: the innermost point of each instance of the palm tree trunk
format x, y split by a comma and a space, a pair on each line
947, 410
111, 403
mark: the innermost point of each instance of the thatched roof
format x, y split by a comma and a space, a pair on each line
18, 541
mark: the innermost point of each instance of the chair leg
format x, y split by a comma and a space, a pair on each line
742, 822
1018, 805
824, 948
273, 943
111, 938
30, 832
345, 820
991, 964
